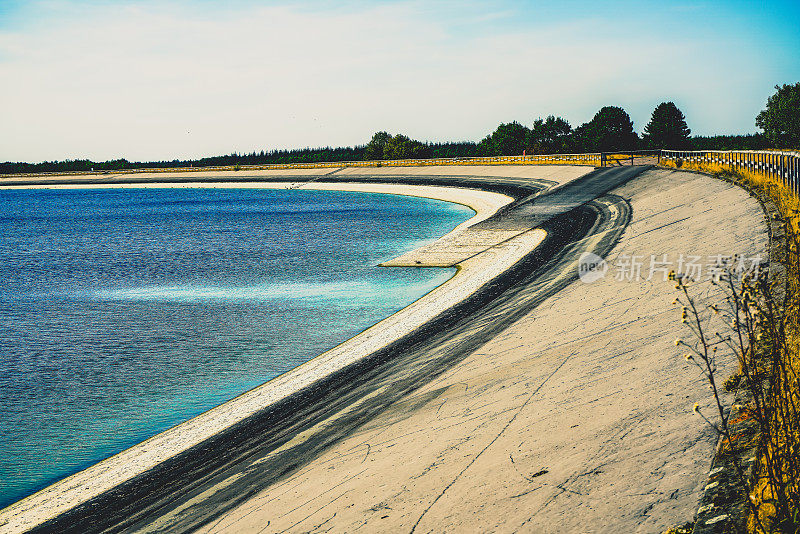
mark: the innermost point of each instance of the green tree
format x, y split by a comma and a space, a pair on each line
376, 148
781, 119
510, 139
486, 147
549, 136
610, 130
667, 128
401, 147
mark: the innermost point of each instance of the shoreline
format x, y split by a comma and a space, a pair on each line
473, 274
537, 402
575, 412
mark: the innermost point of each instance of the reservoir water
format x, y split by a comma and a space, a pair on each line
126, 311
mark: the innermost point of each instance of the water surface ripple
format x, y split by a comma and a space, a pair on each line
126, 311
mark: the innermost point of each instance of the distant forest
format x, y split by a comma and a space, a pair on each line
463, 149
610, 130
299, 155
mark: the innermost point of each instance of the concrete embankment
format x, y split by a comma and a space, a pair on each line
537, 403
77, 493
575, 416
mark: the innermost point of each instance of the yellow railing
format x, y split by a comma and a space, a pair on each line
781, 169
539, 159
593, 159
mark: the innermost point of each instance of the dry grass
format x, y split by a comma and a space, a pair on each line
683, 529
770, 360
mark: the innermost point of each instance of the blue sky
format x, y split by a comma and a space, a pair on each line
158, 80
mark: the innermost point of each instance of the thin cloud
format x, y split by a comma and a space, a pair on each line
150, 80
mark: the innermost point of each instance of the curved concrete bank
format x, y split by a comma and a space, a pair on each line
574, 417
488, 259
538, 403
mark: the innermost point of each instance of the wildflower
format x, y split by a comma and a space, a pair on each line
696, 407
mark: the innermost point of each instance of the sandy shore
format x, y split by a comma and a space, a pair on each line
472, 275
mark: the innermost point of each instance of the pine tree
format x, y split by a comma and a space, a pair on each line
667, 128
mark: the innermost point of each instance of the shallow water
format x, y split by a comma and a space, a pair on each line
126, 311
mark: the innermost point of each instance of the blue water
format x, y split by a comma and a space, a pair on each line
124, 312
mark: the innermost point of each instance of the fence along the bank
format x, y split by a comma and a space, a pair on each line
594, 159
782, 168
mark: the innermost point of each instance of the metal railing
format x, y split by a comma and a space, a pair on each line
781, 167
629, 157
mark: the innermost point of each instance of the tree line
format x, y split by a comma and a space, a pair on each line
610, 130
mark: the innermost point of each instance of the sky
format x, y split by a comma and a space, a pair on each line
159, 80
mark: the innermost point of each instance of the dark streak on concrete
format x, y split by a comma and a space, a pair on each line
246, 455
